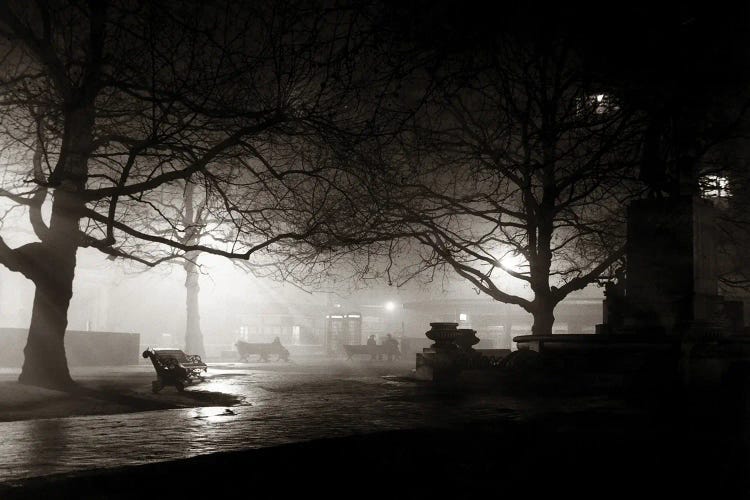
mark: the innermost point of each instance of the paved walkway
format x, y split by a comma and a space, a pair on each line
288, 404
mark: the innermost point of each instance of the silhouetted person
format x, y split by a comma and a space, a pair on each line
615, 303
372, 345
391, 346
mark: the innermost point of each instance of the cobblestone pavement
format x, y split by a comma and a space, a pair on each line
293, 403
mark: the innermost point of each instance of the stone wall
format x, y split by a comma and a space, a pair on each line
82, 348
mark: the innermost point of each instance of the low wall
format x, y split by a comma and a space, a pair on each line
81, 348
414, 345
699, 362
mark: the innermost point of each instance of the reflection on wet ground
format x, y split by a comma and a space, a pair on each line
278, 407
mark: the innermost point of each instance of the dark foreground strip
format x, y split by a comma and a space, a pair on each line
571, 455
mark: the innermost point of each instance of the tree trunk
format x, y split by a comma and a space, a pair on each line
543, 311
193, 334
45, 363
544, 318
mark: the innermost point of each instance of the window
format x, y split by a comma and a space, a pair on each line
597, 103
714, 186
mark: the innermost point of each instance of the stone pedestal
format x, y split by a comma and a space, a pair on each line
442, 360
467, 339
444, 335
437, 366
671, 266
666, 327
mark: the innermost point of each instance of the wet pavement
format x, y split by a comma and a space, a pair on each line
281, 404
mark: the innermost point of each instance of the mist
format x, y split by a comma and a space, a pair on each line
428, 249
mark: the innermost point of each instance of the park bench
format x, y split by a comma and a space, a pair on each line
374, 351
262, 350
174, 367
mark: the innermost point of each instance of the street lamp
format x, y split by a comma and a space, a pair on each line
391, 308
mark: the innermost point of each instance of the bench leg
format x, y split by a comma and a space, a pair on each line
156, 386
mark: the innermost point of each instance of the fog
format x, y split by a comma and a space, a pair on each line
119, 297
431, 201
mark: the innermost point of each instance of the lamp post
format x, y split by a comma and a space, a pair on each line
392, 308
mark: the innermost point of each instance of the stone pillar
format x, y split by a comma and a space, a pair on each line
671, 274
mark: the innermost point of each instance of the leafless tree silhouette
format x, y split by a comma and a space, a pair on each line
113, 106
517, 170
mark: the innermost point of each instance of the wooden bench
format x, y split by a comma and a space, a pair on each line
262, 350
374, 351
174, 367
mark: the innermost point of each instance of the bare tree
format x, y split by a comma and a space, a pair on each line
194, 222
118, 104
518, 170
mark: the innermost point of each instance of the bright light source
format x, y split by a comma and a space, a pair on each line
462, 317
598, 103
513, 262
714, 186
336, 305
390, 306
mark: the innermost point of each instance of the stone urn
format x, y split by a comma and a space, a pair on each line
467, 339
444, 335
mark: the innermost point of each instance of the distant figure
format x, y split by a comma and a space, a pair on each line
615, 292
391, 347
372, 344
276, 341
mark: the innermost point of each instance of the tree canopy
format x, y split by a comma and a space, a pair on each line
110, 107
